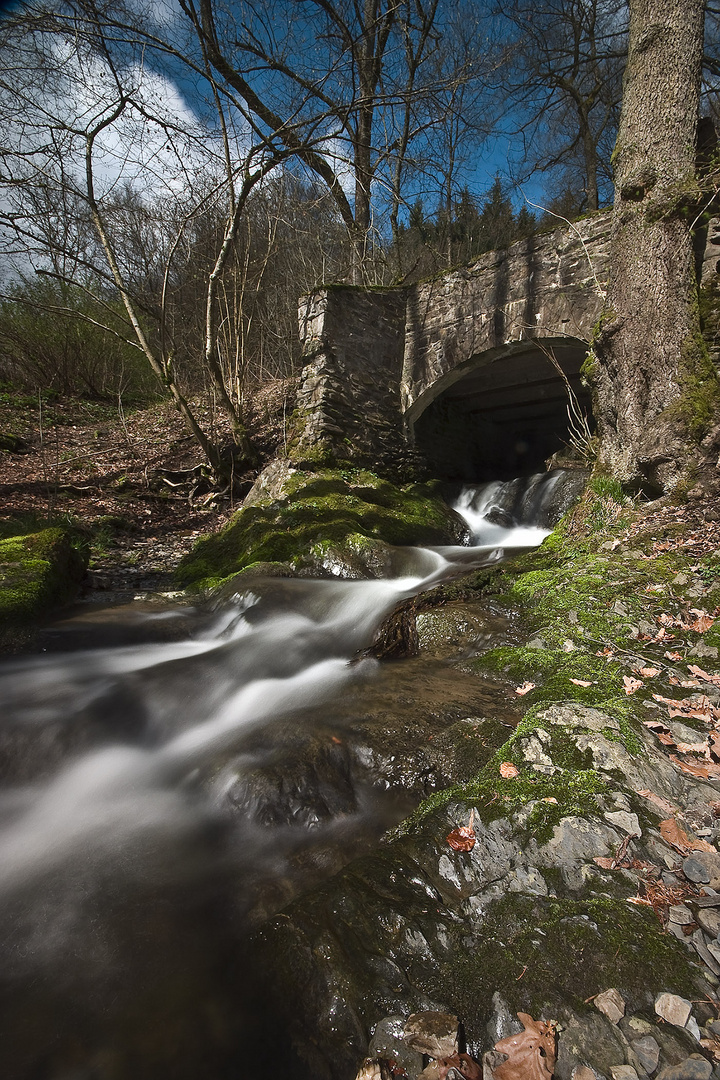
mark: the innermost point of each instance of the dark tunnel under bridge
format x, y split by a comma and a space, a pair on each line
505, 418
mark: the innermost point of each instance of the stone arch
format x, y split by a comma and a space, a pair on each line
502, 413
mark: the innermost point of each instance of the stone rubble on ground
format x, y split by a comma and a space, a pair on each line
425, 1046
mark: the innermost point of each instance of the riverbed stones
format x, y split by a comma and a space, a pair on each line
648, 1052
694, 1067
612, 1004
703, 867
673, 1009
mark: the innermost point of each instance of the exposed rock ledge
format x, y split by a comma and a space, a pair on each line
527, 914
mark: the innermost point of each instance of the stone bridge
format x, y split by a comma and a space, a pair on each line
471, 368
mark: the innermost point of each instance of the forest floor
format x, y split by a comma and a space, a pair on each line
127, 474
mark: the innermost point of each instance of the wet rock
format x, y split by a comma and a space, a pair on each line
432, 1033
693, 1068
611, 1004
503, 1021
583, 1072
388, 1042
648, 1052
673, 1009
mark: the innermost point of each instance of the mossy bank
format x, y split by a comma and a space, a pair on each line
39, 572
320, 520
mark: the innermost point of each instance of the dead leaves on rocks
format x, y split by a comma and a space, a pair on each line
530, 1055
463, 838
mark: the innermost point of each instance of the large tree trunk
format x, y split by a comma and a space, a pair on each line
653, 381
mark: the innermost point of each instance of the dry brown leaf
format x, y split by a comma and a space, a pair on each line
674, 835
672, 656
702, 623
695, 670
525, 688
689, 684
550, 799
646, 672
668, 620
581, 682
464, 1065
692, 748
508, 771
605, 862
606, 652
531, 1055
674, 681
463, 838
701, 708
631, 685
702, 772
663, 804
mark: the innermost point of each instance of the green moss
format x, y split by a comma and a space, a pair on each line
319, 509
552, 797
38, 572
545, 954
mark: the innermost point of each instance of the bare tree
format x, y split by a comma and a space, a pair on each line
561, 77
91, 140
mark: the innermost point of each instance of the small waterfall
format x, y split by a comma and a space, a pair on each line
534, 502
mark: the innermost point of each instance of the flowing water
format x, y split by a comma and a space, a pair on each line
157, 801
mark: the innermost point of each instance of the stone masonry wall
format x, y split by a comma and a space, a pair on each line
549, 286
348, 405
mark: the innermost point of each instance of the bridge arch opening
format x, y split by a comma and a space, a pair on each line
503, 415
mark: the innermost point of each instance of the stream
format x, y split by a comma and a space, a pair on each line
173, 775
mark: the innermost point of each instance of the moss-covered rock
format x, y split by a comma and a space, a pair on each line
39, 571
307, 520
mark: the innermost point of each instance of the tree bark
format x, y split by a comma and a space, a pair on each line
652, 378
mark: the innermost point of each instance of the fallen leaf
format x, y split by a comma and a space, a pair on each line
463, 838
691, 748
672, 656
700, 708
508, 771
606, 652
640, 900
689, 684
646, 672
702, 772
531, 1054
695, 670
703, 621
631, 685
663, 804
674, 835
605, 862
667, 620
525, 688
463, 1063
581, 682
550, 799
